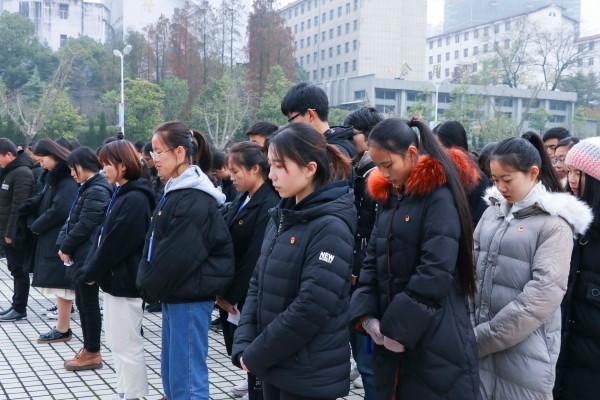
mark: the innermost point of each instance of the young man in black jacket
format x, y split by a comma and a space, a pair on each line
17, 186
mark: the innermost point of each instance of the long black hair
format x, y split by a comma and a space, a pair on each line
247, 155
197, 148
396, 135
84, 158
522, 153
452, 134
591, 195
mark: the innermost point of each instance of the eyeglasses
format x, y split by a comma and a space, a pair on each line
157, 156
294, 117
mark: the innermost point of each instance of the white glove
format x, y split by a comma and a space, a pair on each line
371, 326
392, 345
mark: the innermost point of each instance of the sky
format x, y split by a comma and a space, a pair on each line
590, 11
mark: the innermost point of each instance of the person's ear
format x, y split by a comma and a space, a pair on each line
255, 170
311, 169
413, 153
534, 172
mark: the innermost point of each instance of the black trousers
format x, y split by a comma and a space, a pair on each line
271, 392
86, 298
14, 259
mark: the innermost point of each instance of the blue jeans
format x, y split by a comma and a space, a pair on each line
362, 351
184, 349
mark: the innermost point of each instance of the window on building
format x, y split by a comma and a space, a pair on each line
496, 28
330, 71
355, 5
385, 94
331, 52
507, 26
360, 94
347, 8
339, 11
355, 25
475, 50
24, 9
331, 33
331, 15
580, 62
302, 60
63, 40
466, 36
63, 11
440, 42
503, 102
302, 26
308, 59
339, 49
309, 4
315, 56
308, 23
430, 75
486, 31
466, 52
485, 48
457, 38
448, 56
412, 95
314, 74
346, 67
443, 97
476, 33
355, 45
385, 108
295, 28
347, 27
308, 41
339, 29
556, 105
591, 46
507, 43
323, 36
302, 9
447, 72
353, 65
439, 58
324, 18
347, 47
296, 12
301, 43
474, 67
322, 73
431, 44
316, 21
322, 54
591, 61
447, 40
557, 119
531, 103
338, 70
456, 54
430, 60
296, 44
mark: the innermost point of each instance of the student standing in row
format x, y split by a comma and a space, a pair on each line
293, 330
523, 245
188, 258
75, 241
113, 264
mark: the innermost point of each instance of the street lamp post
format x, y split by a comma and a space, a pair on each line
121, 55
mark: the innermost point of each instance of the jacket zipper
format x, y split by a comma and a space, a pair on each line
389, 266
262, 274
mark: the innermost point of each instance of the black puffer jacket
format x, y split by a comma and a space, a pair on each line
366, 209
408, 283
577, 371
77, 234
51, 208
117, 248
188, 256
17, 187
293, 330
247, 227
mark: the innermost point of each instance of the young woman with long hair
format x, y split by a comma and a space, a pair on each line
418, 271
188, 257
113, 264
293, 330
51, 211
523, 245
577, 370
247, 219
75, 241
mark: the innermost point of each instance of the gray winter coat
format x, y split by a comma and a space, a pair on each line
522, 256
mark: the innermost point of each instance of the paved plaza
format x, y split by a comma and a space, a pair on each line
35, 371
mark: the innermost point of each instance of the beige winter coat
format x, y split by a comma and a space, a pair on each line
522, 255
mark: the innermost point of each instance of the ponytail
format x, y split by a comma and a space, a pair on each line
396, 135
548, 175
175, 134
202, 153
340, 164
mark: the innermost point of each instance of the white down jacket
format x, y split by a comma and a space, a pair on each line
522, 255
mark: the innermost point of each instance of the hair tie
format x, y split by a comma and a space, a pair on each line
191, 135
412, 122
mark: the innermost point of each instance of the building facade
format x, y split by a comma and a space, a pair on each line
56, 21
461, 14
336, 40
463, 51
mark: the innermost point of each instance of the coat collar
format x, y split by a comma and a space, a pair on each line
426, 176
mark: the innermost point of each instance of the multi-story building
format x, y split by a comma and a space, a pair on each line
461, 14
55, 21
393, 97
591, 46
336, 40
463, 51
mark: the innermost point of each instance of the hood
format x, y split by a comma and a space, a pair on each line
364, 165
426, 176
341, 136
194, 178
142, 186
564, 205
22, 160
97, 180
335, 199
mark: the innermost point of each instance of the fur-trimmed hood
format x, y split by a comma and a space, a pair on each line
578, 214
425, 177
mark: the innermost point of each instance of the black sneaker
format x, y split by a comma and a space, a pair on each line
155, 307
4, 312
12, 316
55, 336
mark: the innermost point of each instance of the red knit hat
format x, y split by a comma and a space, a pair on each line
585, 156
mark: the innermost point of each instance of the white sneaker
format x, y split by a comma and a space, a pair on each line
52, 315
246, 397
358, 383
354, 374
240, 389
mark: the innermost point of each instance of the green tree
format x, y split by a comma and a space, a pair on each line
539, 119
464, 107
144, 102
220, 109
337, 116
587, 87
63, 118
269, 108
494, 129
176, 96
